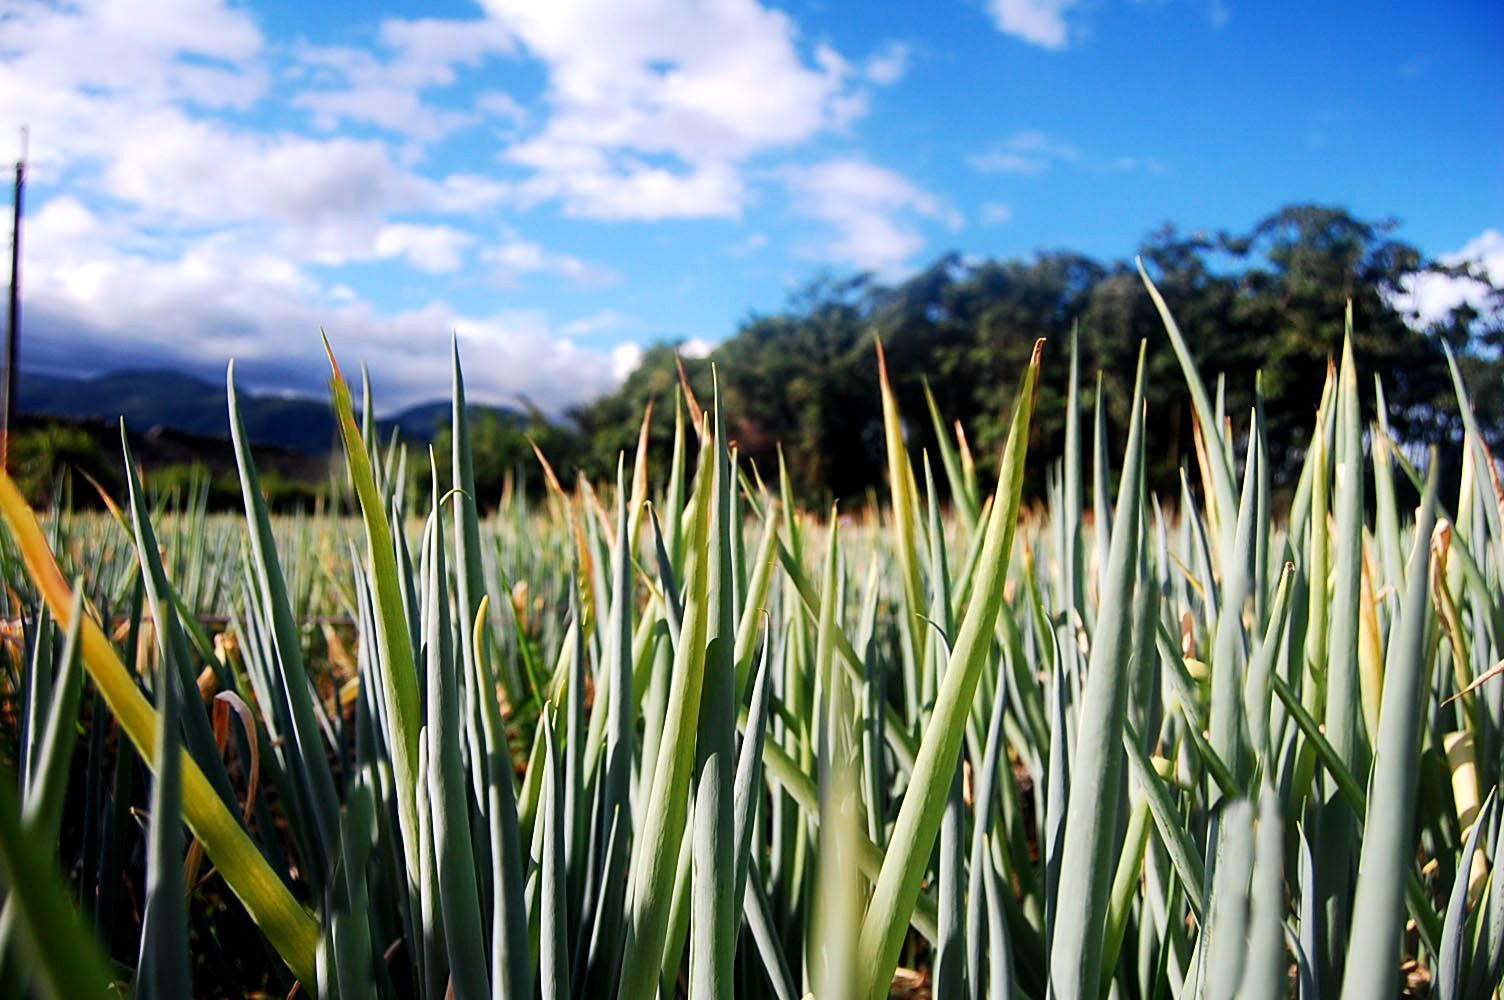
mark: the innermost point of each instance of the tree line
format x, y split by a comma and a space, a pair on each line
1264, 307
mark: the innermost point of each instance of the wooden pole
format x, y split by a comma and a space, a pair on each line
13, 322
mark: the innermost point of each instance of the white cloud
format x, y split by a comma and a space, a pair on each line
722, 79
1026, 152
1038, 22
429, 48
103, 307
326, 199
1432, 296
60, 227
591, 184
500, 104
394, 109
421, 55
193, 172
1031, 152
752, 243
517, 257
431, 249
888, 65
166, 229
872, 211
123, 101
654, 106
465, 194
1487, 249
696, 347
178, 49
87, 76
200, 188
624, 360
598, 322
996, 213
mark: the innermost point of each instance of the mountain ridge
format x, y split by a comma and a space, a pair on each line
173, 400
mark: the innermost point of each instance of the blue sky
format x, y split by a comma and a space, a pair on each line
559, 184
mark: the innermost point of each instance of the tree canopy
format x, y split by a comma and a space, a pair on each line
1267, 304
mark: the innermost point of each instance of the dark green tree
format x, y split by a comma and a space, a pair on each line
1270, 301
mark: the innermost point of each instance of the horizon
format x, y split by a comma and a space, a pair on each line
291, 394
562, 188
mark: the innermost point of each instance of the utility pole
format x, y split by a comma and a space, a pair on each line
13, 323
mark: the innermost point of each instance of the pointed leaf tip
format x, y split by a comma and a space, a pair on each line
333, 364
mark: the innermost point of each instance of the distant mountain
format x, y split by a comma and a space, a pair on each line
423, 421
177, 402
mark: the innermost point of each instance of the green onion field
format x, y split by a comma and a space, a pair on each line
672, 735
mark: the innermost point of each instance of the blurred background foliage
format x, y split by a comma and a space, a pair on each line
805, 376
1272, 299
